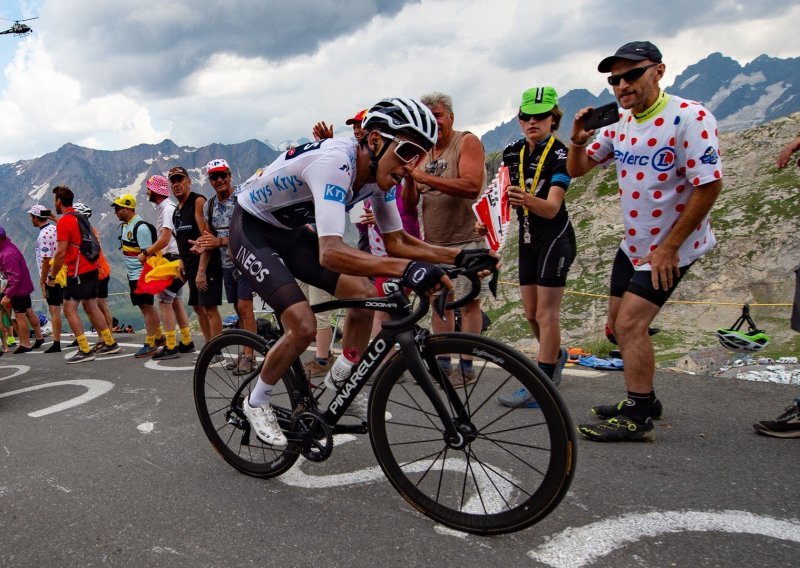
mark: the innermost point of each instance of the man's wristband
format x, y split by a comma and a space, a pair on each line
578, 144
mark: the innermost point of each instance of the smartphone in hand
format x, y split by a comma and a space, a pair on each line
601, 116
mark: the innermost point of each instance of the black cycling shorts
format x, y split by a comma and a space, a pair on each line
625, 279
546, 263
102, 288
54, 295
272, 258
81, 287
20, 304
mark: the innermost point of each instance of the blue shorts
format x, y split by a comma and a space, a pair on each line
236, 288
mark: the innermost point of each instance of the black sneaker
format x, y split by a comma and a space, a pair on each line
165, 353
38, 343
619, 429
787, 425
54, 348
561, 362
81, 357
21, 349
108, 349
606, 411
189, 348
74, 343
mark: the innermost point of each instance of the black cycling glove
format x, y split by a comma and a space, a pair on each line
470, 257
421, 276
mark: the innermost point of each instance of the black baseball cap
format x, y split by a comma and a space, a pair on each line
633, 51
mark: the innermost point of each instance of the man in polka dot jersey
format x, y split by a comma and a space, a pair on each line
669, 173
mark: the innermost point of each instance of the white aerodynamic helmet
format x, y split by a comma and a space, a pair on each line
83, 209
406, 115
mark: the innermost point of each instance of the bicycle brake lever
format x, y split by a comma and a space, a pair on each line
440, 303
493, 282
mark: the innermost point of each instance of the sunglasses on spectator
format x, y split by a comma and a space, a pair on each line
630, 75
214, 176
525, 117
406, 150
175, 178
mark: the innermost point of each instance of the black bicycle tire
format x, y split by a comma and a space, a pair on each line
561, 465
242, 461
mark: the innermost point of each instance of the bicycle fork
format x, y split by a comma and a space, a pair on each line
412, 347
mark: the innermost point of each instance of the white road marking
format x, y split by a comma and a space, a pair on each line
150, 364
582, 546
94, 388
145, 427
20, 370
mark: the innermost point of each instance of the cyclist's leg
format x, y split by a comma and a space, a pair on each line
358, 322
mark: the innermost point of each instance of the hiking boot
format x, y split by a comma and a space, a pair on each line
54, 348
520, 398
38, 343
460, 378
560, 364
21, 349
188, 348
81, 357
619, 429
104, 349
787, 425
265, 425
165, 353
314, 369
145, 351
244, 366
606, 411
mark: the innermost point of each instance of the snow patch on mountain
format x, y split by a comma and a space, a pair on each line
689, 81
756, 112
739, 81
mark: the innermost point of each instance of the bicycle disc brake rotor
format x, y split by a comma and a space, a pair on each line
317, 436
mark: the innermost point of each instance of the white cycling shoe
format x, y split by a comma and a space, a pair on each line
262, 420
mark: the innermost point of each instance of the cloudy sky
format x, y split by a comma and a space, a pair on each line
116, 73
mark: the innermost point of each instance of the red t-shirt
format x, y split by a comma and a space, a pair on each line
67, 230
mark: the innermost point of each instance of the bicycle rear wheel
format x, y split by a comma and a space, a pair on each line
513, 466
219, 407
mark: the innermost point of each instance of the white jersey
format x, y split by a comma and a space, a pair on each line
45, 245
313, 183
164, 213
660, 159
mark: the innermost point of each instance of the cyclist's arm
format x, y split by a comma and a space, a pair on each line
401, 244
336, 255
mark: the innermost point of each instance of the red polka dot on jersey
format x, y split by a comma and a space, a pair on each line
685, 143
630, 118
634, 213
633, 140
690, 163
635, 262
672, 141
699, 226
621, 137
679, 207
696, 181
697, 244
717, 174
377, 239
640, 176
623, 173
679, 189
653, 247
656, 212
652, 142
590, 152
632, 232
620, 191
716, 132
659, 121
596, 145
663, 177
704, 134
657, 194
684, 105
632, 248
655, 230
635, 195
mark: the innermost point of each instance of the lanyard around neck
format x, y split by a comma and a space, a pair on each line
539, 167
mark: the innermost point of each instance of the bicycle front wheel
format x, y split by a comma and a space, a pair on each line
220, 388
511, 465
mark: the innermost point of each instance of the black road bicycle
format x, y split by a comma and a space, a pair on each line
455, 454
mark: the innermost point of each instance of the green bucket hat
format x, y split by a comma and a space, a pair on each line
538, 100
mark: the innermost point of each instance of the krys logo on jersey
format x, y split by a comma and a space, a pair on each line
279, 184
662, 160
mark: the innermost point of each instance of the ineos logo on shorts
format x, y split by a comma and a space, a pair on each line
251, 264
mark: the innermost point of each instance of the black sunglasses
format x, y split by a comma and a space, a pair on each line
630, 75
175, 178
525, 117
214, 176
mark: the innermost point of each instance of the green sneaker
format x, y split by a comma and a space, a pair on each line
619, 429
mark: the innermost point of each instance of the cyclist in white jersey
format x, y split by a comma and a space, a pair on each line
271, 242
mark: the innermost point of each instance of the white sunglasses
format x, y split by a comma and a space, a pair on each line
406, 150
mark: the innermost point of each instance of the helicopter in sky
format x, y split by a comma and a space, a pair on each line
18, 28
